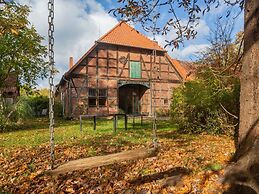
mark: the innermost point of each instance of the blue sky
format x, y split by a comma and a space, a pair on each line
79, 23
207, 23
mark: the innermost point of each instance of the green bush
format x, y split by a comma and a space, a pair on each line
38, 103
25, 107
58, 109
206, 104
162, 112
10, 114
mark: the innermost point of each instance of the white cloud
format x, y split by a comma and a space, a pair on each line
187, 52
77, 25
192, 46
202, 28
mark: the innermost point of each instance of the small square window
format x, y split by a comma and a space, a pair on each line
102, 92
92, 102
166, 101
102, 101
92, 92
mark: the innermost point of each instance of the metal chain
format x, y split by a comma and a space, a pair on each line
51, 80
155, 141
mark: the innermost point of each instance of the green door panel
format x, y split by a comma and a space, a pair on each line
135, 69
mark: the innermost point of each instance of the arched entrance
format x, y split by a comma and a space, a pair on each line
130, 97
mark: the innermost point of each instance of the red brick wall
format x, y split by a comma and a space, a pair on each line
104, 69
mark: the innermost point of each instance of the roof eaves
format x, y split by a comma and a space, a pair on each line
77, 63
180, 70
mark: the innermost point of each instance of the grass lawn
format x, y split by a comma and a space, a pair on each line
36, 132
198, 159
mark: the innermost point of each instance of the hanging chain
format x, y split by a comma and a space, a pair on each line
51, 80
155, 143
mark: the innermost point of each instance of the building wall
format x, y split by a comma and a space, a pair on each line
105, 66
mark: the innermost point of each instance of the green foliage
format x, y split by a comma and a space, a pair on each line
26, 107
58, 109
13, 18
23, 108
213, 167
38, 103
206, 104
162, 113
20, 47
11, 114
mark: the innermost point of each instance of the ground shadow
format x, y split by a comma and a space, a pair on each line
177, 171
235, 189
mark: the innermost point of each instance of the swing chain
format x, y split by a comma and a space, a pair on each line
51, 79
155, 140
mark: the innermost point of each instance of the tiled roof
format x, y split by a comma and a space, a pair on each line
179, 68
123, 34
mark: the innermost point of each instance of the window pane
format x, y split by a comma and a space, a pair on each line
92, 102
102, 101
102, 92
135, 69
92, 92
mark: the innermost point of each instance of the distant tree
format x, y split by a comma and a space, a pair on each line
21, 49
223, 54
10, 21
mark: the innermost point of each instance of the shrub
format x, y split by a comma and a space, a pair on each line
38, 104
25, 107
10, 114
58, 109
206, 104
162, 112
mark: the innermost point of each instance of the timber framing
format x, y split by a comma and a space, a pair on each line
121, 77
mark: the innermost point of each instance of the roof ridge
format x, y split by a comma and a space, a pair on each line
106, 34
133, 29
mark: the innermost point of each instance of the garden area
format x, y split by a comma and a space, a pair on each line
185, 163
200, 115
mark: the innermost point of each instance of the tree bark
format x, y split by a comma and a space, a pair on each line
249, 97
244, 173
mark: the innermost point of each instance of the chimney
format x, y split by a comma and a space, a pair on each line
71, 62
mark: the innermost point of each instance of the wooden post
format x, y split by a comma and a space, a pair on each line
133, 120
126, 121
114, 122
94, 122
81, 123
141, 119
117, 119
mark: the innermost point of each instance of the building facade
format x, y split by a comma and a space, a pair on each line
124, 71
10, 90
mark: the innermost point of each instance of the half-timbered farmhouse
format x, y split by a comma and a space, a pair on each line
124, 71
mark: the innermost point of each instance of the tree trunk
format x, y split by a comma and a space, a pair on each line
249, 98
245, 170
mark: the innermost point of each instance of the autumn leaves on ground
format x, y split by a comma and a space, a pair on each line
184, 164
